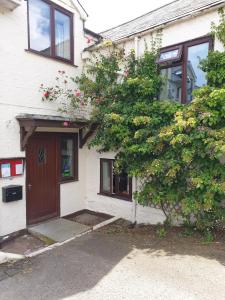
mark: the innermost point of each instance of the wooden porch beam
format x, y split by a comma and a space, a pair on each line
24, 136
83, 139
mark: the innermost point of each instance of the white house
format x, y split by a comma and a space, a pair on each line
44, 152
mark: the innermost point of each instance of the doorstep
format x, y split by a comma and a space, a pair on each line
58, 230
50, 234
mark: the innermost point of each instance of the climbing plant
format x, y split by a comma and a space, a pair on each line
176, 151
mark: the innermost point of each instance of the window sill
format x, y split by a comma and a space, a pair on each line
68, 181
52, 58
128, 199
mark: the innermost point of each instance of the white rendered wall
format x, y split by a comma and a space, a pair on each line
182, 31
21, 74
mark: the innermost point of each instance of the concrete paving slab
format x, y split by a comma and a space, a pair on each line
58, 230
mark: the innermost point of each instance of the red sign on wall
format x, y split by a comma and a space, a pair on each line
11, 167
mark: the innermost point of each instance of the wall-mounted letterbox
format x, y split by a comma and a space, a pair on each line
12, 193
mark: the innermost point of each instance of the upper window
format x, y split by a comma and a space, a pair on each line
170, 54
50, 30
180, 69
69, 157
112, 184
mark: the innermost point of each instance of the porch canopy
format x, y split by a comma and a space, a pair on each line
29, 123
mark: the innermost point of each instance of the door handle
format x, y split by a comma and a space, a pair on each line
29, 186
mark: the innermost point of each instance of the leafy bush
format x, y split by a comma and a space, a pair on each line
176, 151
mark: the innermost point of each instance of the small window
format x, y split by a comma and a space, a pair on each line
41, 155
50, 30
68, 158
112, 184
170, 54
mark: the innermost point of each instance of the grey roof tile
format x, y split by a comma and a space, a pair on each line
167, 13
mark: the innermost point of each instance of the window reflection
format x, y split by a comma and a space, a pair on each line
123, 183
39, 23
172, 83
67, 157
195, 76
62, 35
106, 176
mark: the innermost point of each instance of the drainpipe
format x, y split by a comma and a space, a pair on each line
135, 202
136, 48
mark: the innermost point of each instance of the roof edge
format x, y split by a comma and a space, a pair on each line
218, 3
138, 17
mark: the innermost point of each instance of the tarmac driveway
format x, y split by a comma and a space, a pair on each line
119, 265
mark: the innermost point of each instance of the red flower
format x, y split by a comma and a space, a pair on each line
46, 94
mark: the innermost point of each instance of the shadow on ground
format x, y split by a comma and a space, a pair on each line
80, 265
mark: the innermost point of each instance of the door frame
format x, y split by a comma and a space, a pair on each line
41, 219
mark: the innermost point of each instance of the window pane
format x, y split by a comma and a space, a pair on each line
67, 157
39, 24
123, 183
106, 176
172, 83
169, 55
195, 76
62, 35
41, 155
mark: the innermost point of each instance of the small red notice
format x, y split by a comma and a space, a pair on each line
11, 167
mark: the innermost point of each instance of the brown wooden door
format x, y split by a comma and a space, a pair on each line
42, 177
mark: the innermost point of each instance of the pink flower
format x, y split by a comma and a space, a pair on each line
89, 40
66, 124
77, 93
126, 73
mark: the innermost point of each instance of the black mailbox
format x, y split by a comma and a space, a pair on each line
12, 193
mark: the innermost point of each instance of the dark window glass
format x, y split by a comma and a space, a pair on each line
123, 184
39, 24
67, 157
196, 78
118, 185
172, 83
41, 155
62, 35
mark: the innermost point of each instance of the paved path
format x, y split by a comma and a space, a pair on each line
109, 266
